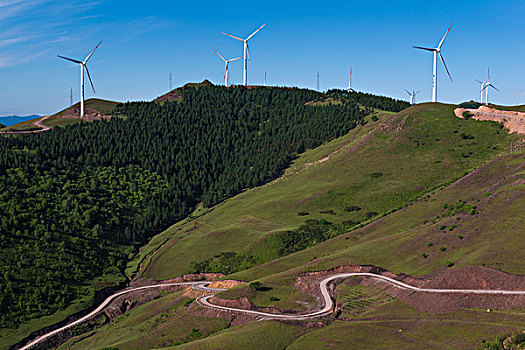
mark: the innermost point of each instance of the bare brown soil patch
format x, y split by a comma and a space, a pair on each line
514, 121
226, 284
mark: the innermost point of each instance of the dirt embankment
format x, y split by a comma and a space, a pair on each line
514, 121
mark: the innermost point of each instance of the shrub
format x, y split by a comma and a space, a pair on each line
452, 227
256, 285
449, 263
466, 136
466, 115
352, 208
376, 175
188, 302
274, 299
303, 213
470, 105
430, 244
371, 214
441, 227
442, 248
424, 255
460, 236
374, 118
329, 211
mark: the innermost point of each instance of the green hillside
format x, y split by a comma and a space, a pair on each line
103, 106
376, 168
445, 182
96, 192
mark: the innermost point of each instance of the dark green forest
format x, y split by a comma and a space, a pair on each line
76, 202
368, 100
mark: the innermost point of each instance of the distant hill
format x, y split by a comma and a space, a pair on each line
15, 119
174, 95
93, 106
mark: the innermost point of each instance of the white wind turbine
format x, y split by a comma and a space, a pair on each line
246, 52
437, 52
481, 89
226, 63
412, 95
82, 66
486, 88
349, 88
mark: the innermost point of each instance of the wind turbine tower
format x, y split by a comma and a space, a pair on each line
318, 86
83, 65
437, 52
412, 96
487, 85
226, 62
481, 89
170, 81
71, 96
349, 88
246, 53
264, 78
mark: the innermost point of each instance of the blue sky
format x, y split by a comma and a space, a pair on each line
143, 41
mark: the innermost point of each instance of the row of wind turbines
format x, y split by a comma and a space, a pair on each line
485, 85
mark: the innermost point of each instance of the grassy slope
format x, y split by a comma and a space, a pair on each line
267, 335
103, 106
520, 108
415, 150
158, 323
491, 237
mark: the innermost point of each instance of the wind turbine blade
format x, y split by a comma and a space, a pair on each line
235, 59
248, 52
478, 81
231, 36
442, 60
87, 71
423, 48
492, 86
70, 59
248, 38
408, 92
91, 53
442, 40
220, 55
418, 91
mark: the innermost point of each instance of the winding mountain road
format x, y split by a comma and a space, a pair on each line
329, 304
323, 286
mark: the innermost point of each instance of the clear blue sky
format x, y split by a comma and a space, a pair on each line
144, 40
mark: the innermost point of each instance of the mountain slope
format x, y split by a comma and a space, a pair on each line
376, 168
474, 171
96, 191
